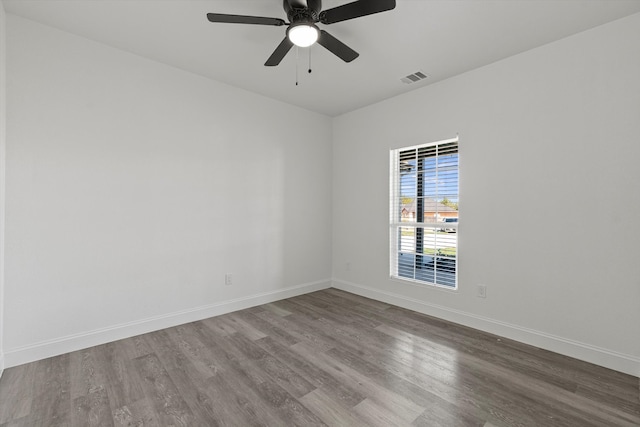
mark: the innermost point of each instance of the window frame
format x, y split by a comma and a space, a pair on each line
418, 222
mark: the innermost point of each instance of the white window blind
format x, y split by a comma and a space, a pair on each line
424, 213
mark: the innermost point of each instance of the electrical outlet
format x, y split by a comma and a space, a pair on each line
481, 291
228, 279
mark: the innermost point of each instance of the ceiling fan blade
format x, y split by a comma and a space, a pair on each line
243, 19
355, 9
277, 55
336, 47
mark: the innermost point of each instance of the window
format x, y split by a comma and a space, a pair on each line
424, 213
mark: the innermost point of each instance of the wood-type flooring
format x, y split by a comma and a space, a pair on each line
324, 358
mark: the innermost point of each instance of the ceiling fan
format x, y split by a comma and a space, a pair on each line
302, 30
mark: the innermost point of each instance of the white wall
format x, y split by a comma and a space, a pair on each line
133, 187
549, 195
3, 121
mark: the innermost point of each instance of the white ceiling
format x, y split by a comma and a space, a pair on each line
442, 38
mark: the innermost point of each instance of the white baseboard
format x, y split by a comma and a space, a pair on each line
66, 344
625, 363
1, 364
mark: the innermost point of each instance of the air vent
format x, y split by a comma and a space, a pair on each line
415, 77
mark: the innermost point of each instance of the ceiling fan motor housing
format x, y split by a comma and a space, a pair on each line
299, 15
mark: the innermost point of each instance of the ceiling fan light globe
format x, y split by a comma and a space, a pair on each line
303, 35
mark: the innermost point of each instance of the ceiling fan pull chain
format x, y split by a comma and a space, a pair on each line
297, 57
309, 60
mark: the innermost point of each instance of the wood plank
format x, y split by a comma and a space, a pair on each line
294, 328
389, 399
189, 367
447, 414
329, 410
375, 414
93, 409
16, 393
237, 324
185, 338
275, 310
52, 399
276, 371
339, 295
121, 381
241, 374
170, 407
340, 391
266, 328
86, 374
26, 421
138, 413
